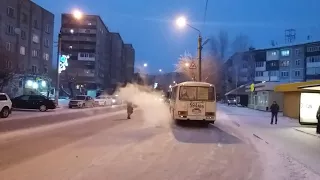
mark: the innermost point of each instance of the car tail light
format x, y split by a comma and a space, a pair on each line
210, 113
182, 113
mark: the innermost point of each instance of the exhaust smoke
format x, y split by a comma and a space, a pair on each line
155, 112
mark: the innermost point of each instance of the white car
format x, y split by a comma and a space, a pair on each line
103, 100
5, 105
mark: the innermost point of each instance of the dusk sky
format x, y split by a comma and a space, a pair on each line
149, 24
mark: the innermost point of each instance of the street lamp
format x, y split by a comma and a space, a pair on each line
160, 70
77, 14
187, 64
181, 23
145, 65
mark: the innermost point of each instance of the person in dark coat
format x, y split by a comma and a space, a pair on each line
274, 112
129, 109
318, 118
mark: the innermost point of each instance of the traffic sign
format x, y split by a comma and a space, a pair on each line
192, 66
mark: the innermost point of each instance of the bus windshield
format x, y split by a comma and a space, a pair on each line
194, 93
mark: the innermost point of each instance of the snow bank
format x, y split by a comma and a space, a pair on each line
275, 163
155, 111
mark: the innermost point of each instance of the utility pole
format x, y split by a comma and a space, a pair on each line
200, 46
58, 68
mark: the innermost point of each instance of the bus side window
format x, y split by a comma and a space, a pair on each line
173, 93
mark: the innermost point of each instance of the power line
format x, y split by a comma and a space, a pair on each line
205, 12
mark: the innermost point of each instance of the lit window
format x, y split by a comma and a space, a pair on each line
285, 53
35, 53
274, 53
22, 50
71, 31
70, 47
35, 38
46, 56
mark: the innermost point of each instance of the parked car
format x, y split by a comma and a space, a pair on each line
232, 101
33, 102
5, 105
103, 100
81, 101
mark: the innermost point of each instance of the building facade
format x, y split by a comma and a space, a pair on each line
86, 41
26, 37
312, 63
285, 64
129, 54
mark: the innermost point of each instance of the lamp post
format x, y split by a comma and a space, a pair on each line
182, 22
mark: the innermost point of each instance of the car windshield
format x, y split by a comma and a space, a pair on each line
79, 98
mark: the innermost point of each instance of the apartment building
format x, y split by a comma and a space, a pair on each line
285, 64
296, 63
117, 66
129, 54
312, 56
87, 42
26, 37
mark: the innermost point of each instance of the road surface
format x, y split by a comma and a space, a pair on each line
108, 146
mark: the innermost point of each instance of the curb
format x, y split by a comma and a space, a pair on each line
306, 132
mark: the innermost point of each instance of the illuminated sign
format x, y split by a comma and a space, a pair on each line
63, 63
252, 87
309, 104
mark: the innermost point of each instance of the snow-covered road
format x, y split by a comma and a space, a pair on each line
108, 146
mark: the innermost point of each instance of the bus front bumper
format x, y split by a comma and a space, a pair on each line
197, 118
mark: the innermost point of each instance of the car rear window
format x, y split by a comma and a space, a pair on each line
3, 97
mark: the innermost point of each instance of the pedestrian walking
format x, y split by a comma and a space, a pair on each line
129, 109
274, 112
318, 118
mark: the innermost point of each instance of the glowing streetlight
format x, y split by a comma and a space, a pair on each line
181, 22
187, 64
145, 65
174, 82
77, 14
160, 70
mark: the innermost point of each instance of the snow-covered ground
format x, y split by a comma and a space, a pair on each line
298, 152
111, 147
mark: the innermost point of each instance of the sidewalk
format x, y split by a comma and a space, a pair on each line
288, 136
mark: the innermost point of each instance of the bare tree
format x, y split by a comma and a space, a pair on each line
220, 45
210, 68
240, 43
7, 68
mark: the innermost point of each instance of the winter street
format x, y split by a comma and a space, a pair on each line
108, 146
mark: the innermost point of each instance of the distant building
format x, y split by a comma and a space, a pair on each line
296, 63
117, 65
129, 54
26, 39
